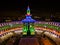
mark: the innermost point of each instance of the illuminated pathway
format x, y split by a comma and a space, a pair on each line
47, 29
9, 30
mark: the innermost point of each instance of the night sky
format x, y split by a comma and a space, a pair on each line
38, 7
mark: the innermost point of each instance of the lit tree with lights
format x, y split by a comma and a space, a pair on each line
28, 27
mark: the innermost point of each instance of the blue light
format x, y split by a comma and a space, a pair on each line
28, 18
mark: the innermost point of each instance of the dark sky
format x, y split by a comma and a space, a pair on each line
37, 6
33, 3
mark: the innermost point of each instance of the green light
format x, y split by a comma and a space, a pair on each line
28, 11
24, 33
32, 30
32, 33
25, 29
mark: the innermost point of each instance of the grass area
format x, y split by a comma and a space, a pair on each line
9, 26
49, 26
4, 27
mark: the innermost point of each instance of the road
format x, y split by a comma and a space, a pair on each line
36, 41
28, 41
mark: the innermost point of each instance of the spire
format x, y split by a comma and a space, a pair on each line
28, 10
